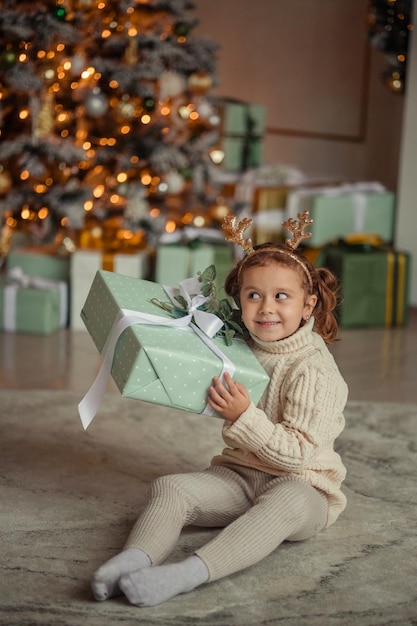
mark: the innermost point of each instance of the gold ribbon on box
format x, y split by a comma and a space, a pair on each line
116, 241
395, 288
107, 261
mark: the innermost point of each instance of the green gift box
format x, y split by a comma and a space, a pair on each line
40, 261
156, 362
374, 284
241, 154
340, 211
175, 262
33, 310
242, 131
237, 116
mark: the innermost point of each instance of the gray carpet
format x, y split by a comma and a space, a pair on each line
69, 497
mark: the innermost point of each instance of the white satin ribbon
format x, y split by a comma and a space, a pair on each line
357, 189
9, 308
19, 279
209, 323
89, 405
360, 201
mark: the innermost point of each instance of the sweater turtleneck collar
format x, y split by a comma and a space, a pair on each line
297, 340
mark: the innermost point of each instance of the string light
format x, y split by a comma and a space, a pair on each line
67, 106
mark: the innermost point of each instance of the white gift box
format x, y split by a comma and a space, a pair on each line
83, 268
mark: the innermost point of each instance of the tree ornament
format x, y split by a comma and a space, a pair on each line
394, 80
85, 4
6, 235
181, 29
149, 104
219, 210
8, 58
60, 13
126, 109
96, 103
78, 64
44, 122
205, 109
175, 182
171, 84
200, 82
132, 54
389, 28
5, 183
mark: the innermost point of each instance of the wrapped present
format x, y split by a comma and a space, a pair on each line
39, 261
374, 283
268, 213
31, 304
242, 131
177, 261
344, 210
83, 267
155, 357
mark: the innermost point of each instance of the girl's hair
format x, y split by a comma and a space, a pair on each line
325, 284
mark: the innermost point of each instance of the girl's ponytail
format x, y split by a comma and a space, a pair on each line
328, 292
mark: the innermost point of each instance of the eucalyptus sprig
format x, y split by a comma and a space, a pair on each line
222, 308
230, 317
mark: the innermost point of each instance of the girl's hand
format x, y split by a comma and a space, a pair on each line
230, 401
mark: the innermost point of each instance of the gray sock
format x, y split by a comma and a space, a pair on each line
105, 583
151, 586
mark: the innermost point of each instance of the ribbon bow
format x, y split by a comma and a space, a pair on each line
190, 290
16, 276
202, 323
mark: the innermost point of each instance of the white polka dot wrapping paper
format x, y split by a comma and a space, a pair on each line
161, 364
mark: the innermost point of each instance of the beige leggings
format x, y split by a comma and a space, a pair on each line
257, 512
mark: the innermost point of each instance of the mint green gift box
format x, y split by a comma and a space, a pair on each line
336, 216
36, 311
168, 366
40, 261
242, 131
174, 262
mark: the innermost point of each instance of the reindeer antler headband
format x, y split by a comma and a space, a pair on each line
234, 232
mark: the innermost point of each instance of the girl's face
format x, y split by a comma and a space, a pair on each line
273, 301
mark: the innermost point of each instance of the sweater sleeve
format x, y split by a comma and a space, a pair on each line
310, 417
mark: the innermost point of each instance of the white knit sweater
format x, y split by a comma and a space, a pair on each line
291, 432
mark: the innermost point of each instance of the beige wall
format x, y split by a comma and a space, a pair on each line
305, 61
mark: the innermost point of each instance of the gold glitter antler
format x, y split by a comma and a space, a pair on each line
234, 231
297, 229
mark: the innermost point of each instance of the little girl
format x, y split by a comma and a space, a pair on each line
278, 477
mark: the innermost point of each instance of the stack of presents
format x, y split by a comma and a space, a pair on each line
352, 234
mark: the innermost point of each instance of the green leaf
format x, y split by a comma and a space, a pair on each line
209, 274
176, 312
228, 337
206, 289
181, 301
235, 326
225, 310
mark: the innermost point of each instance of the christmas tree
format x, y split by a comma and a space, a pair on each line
389, 27
106, 117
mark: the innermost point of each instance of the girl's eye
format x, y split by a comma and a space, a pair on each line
281, 296
254, 295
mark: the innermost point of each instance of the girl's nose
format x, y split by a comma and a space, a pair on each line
267, 305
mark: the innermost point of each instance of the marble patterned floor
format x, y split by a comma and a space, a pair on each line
69, 497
